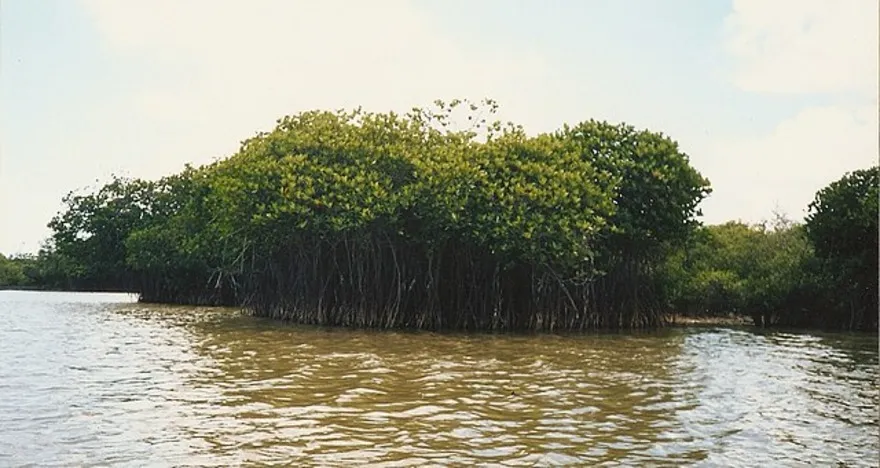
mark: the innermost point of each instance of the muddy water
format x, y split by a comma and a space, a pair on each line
90, 379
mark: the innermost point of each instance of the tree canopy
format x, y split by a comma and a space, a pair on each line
380, 219
842, 227
443, 218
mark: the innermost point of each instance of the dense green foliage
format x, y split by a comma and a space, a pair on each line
842, 227
735, 268
92, 231
822, 273
12, 272
385, 220
47, 270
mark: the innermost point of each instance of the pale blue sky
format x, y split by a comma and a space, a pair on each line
772, 100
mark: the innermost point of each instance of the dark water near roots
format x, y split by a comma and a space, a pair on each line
87, 379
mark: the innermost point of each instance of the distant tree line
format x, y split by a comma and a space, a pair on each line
12, 271
386, 220
822, 273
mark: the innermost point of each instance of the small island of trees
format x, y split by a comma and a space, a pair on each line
383, 220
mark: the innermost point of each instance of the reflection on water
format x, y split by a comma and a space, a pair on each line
91, 379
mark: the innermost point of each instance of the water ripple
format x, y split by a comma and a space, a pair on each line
86, 380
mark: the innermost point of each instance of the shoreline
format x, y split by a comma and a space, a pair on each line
675, 320
62, 290
672, 320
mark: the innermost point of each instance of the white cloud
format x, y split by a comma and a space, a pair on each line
816, 47
784, 168
226, 69
805, 46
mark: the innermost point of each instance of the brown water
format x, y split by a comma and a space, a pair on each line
91, 380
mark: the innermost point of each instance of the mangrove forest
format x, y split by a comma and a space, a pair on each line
418, 221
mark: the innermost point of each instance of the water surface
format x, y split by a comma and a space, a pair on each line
96, 379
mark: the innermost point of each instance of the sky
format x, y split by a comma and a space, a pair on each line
772, 100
